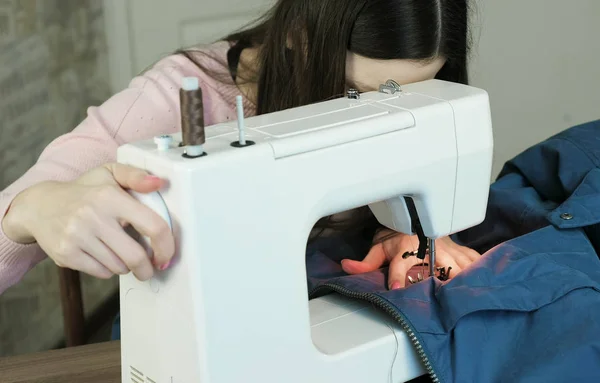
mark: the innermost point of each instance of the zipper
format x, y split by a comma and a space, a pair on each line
389, 309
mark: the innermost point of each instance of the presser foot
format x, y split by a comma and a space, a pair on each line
422, 271
417, 274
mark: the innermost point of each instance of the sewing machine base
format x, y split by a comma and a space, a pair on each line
232, 306
340, 325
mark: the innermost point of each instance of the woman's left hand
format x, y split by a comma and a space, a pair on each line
447, 254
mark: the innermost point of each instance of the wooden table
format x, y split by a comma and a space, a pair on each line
95, 363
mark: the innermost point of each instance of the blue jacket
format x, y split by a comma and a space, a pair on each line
529, 309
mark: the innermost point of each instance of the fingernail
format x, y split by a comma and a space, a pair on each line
396, 286
152, 178
165, 266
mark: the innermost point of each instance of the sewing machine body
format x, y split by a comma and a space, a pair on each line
233, 306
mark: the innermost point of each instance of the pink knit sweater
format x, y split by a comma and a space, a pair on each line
149, 106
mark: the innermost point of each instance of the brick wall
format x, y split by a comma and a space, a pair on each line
53, 65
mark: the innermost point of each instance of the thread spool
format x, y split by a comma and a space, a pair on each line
192, 118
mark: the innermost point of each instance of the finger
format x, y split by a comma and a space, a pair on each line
146, 222
459, 257
103, 254
474, 255
85, 240
398, 269
456, 252
133, 178
131, 253
85, 263
465, 252
374, 260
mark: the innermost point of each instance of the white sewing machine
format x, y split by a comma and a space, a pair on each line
233, 307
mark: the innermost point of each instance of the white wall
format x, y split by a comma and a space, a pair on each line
540, 62
140, 32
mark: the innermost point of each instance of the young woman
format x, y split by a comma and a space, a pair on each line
71, 205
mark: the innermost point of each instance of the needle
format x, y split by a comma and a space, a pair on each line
431, 243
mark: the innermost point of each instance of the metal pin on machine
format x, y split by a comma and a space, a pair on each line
241, 126
240, 115
353, 94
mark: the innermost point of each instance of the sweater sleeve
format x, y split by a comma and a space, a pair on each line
147, 107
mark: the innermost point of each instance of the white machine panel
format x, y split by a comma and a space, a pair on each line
233, 306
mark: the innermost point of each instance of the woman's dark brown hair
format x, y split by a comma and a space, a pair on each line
304, 43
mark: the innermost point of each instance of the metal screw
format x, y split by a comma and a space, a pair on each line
353, 94
566, 216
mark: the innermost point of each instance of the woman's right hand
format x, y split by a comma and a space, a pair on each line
81, 224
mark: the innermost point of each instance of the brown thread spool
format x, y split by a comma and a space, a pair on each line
192, 117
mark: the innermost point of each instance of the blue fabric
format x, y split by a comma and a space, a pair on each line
115, 331
528, 310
